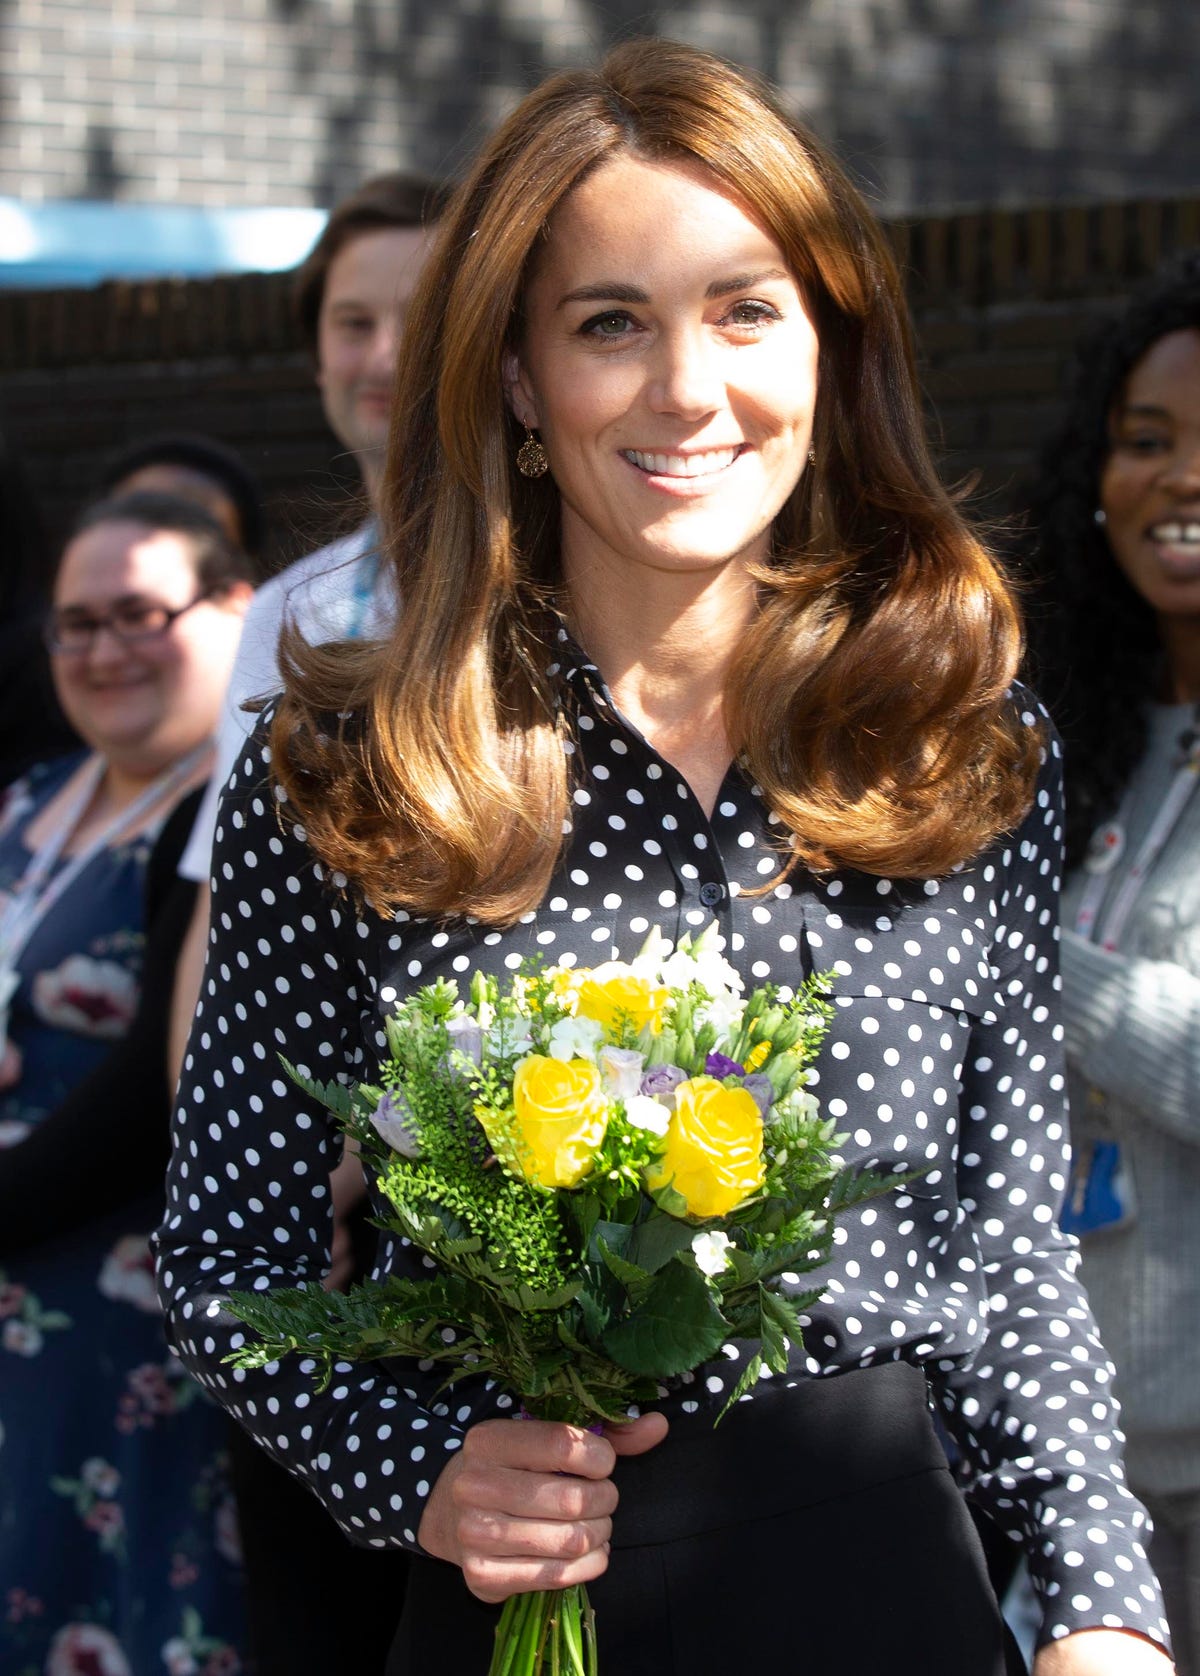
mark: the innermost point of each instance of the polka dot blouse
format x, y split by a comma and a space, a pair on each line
944, 1054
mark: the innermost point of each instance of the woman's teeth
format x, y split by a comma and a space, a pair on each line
1177, 534
683, 465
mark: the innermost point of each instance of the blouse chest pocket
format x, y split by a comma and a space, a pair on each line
921, 953
908, 988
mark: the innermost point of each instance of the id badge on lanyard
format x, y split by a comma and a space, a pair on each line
1100, 1191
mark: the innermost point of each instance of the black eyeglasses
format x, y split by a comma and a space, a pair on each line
131, 621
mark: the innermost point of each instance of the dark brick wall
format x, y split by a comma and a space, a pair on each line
936, 104
999, 301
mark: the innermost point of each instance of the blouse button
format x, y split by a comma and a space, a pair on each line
711, 893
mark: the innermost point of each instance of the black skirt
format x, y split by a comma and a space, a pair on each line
818, 1527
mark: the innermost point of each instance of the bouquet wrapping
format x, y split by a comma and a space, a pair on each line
615, 1170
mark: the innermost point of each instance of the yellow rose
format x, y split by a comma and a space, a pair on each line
560, 1115
614, 988
713, 1154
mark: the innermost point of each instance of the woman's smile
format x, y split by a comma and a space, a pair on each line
693, 471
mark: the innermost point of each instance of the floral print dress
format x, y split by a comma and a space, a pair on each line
118, 1536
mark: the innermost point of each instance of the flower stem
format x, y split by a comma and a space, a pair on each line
548, 1633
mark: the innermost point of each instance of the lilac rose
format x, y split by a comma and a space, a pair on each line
758, 1084
660, 1083
466, 1037
393, 1118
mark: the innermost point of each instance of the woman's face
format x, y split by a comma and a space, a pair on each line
1150, 484
670, 366
142, 704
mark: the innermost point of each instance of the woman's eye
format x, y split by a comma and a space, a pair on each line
752, 314
610, 325
1143, 442
135, 617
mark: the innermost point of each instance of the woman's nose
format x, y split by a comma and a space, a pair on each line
1182, 475
686, 378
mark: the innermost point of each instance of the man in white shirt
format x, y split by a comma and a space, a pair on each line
352, 293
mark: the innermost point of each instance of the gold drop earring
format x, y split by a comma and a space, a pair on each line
532, 459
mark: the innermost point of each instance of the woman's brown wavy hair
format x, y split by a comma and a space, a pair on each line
869, 697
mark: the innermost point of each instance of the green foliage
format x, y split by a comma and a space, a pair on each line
677, 1326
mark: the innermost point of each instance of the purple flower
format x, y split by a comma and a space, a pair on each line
758, 1085
660, 1083
720, 1065
393, 1118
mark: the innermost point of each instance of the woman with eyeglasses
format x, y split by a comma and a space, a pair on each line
117, 1540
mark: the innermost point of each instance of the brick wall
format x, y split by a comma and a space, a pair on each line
935, 103
998, 299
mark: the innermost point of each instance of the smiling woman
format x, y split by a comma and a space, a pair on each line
1117, 530
107, 1513
690, 631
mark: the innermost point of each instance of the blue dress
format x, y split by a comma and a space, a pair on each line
118, 1536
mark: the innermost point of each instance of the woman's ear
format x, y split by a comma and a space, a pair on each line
517, 391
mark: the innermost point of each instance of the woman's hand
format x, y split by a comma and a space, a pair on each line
528, 1505
1102, 1652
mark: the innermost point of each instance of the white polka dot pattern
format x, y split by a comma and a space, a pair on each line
945, 1056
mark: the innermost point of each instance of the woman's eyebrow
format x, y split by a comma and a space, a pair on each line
606, 291
615, 291
1143, 410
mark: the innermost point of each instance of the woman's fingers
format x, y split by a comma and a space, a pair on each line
493, 1579
496, 1534
533, 1495
635, 1437
540, 1446
529, 1505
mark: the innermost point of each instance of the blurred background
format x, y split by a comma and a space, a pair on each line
162, 166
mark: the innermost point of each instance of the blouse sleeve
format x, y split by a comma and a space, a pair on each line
1133, 1029
248, 1199
1035, 1415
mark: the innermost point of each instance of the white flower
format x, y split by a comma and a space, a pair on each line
89, 997
23, 1338
127, 1274
723, 1011
621, 1071
645, 1112
575, 1038
647, 962
711, 1251
506, 1037
86, 1648
100, 1476
178, 1658
799, 1104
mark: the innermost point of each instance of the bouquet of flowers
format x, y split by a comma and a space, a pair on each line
613, 1168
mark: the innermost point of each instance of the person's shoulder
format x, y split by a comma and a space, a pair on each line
306, 589
1029, 710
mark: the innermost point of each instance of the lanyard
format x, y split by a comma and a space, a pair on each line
366, 573
36, 893
1173, 804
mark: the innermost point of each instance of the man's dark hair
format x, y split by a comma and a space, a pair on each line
400, 199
